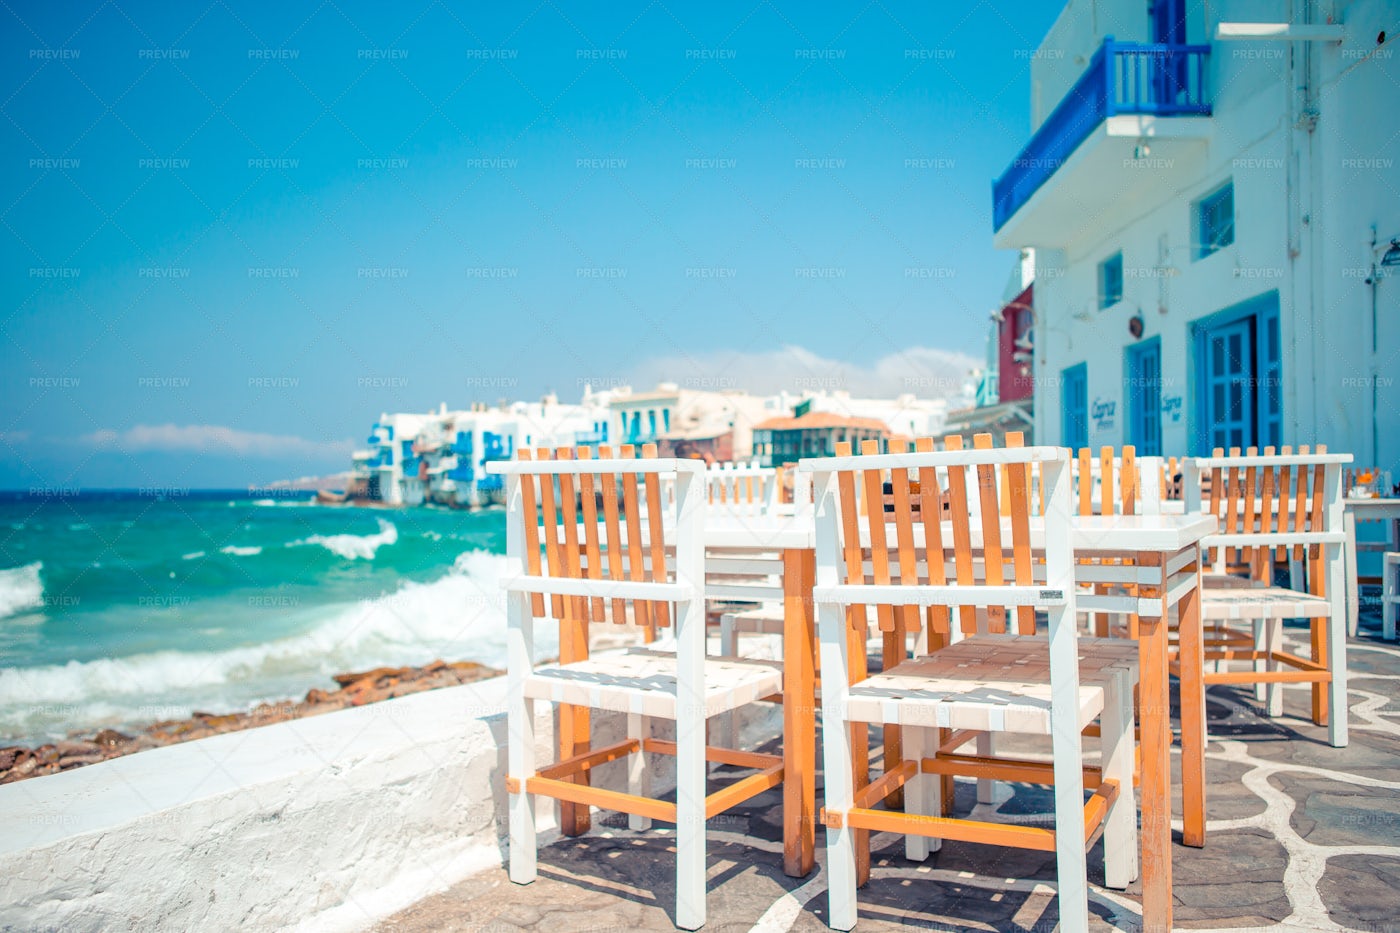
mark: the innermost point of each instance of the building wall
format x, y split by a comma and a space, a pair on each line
1012, 386
1305, 204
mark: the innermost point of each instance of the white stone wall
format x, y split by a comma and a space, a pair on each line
326, 823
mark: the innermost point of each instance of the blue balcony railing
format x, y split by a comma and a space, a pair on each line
1122, 78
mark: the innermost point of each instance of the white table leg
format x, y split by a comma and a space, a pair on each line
1353, 605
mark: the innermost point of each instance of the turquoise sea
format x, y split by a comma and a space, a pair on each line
121, 609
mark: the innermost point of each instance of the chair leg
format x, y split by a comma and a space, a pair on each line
638, 727
520, 716
1070, 867
1273, 641
1390, 570
726, 725
1336, 650
986, 787
1353, 597
1320, 638
840, 840
1120, 843
923, 792
1263, 635
690, 824
520, 738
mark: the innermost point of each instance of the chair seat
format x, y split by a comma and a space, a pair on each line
1264, 602
644, 682
989, 683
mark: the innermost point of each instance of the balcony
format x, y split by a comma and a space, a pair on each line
1131, 91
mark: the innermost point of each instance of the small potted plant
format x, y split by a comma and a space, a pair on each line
1363, 487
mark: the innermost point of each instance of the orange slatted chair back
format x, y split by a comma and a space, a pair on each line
1264, 499
1115, 476
917, 498
579, 534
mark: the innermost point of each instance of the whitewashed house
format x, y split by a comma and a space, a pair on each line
441, 456
905, 415
1212, 196
685, 421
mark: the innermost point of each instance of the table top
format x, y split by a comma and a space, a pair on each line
1372, 509
1165, 533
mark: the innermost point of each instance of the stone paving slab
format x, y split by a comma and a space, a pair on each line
1301, 836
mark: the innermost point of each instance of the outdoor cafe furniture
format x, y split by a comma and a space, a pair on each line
1267, 506
570, 564
1161, 554
1360, 509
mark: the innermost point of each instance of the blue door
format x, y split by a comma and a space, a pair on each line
1271, 380
1239, 366
1229, 381
1145, 397
1169, 70
1074, 407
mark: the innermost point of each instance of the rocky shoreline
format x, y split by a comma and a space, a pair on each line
19, 762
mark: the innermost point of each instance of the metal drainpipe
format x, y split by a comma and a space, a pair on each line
1313, 256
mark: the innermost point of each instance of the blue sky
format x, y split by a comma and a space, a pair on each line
232, 237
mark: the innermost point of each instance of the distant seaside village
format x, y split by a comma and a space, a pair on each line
440, 457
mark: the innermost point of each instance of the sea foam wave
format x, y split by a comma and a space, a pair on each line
459, 615
238, 550
353, 547
21, 588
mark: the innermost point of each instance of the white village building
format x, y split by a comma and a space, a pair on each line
1212, 195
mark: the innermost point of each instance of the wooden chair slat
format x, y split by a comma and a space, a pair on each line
588, 501
994, 559
613, 532
1086, 483
576, 607
1233, 483
1285, 502
847, 492
936, 555
1019, 509
873, 481
1250, 504
549, 522
1300, 505
1106, 497
1267, 509
1216, 497
636, 560
904, 536
661, 612
962, 533
528, 500
1130, 481
1319, 491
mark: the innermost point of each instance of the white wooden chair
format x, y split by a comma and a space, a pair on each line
1000, 677
1267, 504
742, 488
570, 564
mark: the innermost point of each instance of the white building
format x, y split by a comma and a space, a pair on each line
904, 416
441, 456
718, 423
1212, 194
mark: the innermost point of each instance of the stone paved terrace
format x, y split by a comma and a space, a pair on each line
1302, 836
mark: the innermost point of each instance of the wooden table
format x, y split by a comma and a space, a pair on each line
1364, 510
785, 544
1165, 555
